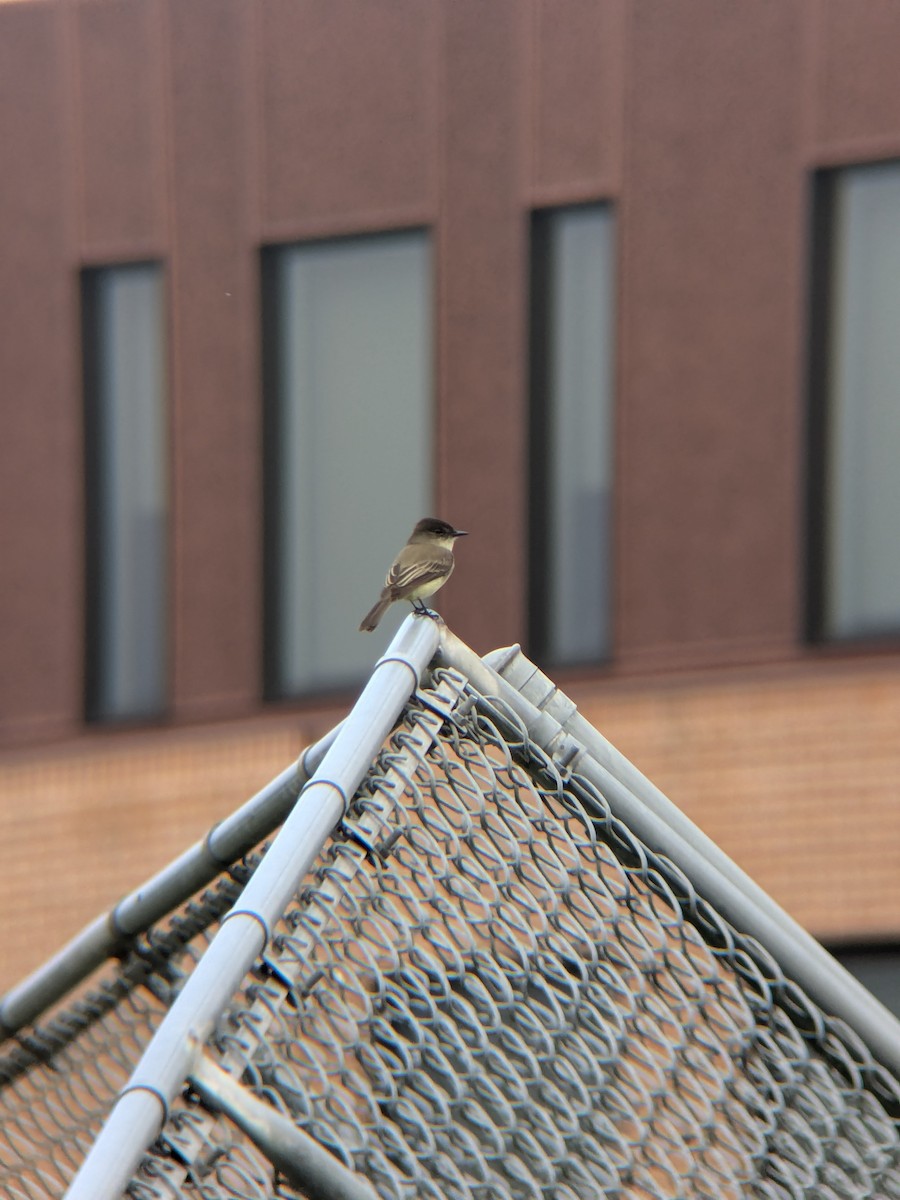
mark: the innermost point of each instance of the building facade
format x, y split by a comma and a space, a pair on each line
607, 282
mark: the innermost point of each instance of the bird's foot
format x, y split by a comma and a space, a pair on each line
422, 610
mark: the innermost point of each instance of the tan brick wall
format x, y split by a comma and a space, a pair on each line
84, 824
796, 773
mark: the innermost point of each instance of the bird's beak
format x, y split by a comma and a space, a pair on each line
460, 533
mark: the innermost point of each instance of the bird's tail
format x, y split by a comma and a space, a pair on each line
374, 615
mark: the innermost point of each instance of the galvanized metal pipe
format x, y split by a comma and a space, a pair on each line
553, 721
297, 1156
142, 1107
159, 895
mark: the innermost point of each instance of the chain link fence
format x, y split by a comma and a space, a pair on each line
486, 988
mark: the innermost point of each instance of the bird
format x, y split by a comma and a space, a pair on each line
423, 565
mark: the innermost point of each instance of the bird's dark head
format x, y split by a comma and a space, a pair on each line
432, 527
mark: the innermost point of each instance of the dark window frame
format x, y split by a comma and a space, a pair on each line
271, 318
540, 370
821, 283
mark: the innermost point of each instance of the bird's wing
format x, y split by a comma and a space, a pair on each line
405, 575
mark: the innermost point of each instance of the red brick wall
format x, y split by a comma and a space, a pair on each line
88, 821
195, 131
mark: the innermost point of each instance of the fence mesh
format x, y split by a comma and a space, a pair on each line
487, 988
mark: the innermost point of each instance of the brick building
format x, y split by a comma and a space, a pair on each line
610, 283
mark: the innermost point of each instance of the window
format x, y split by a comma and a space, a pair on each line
572, 381
855, 507
348, 444
877, 968
126, 491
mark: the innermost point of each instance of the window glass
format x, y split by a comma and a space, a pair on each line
127, 491
878, 969
573, 329
861, 496
348, 364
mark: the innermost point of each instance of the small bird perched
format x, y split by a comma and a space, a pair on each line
423, 565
